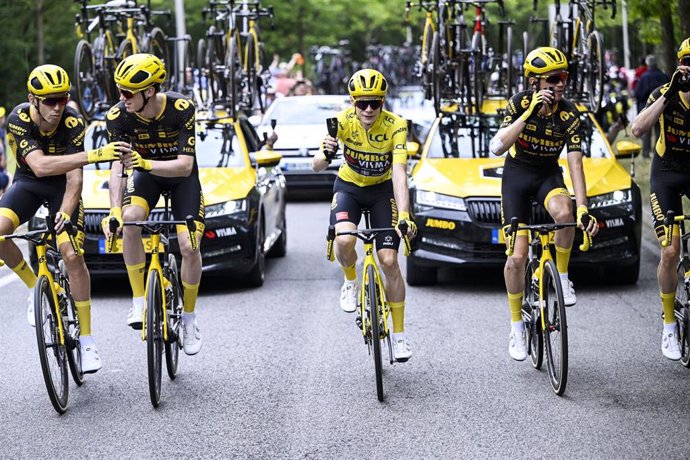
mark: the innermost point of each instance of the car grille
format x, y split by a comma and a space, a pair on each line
92, 220
488, 211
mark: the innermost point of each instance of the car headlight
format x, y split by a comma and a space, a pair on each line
609, 199
438, 200
235, 208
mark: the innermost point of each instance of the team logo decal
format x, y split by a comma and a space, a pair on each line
23, 143
575, 139
23, 116
182, 104
565, 116
191, 141
113, 113
524, 103
71, 122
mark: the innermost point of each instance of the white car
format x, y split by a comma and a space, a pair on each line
301, 127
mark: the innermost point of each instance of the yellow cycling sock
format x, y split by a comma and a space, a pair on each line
668, 302
136, 278
84, 315
562, 259
515, 304
27, 275
191, 291
398, 314
350, 272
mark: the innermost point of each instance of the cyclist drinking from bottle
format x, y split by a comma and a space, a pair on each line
160, 126
539, 122
669, 180
373, 176
47, 140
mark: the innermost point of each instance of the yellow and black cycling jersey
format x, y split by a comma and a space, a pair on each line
24, 137
544, 136
170, 134
369, 154
673, 144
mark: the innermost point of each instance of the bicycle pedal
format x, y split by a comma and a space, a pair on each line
172, 337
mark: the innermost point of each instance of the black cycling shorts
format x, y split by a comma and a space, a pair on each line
522, 183
25, 196
186, 198
349, 200
666, 190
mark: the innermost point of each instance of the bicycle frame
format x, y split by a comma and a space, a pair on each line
370, 260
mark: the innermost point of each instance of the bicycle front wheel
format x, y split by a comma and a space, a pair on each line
530, 314
154, 336
556, 332
681, 308
373, 302
594, 77
52, 354
174, 307
86, 81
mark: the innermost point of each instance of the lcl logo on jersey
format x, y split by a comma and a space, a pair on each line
378, 138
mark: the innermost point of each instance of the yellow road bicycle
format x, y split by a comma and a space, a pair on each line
543, 307
55, 315
682, 304
162, 318
373, 310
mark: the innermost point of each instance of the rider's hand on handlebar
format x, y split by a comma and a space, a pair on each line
115, 212
592, 226
411, 226
329, 147
60, 219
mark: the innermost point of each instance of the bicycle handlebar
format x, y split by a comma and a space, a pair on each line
153, 226
669, 221
367, 235
39, 236
545, 229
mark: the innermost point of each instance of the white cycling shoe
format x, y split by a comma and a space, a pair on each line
518, 345
135, 315
569, 296
670, 345
348, 296
191, 338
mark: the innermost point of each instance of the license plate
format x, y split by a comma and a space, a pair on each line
148, 246
497, 236
297, 165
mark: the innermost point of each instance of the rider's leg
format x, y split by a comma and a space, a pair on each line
135, 258
10, 253
560, 207
191, 265
395, 287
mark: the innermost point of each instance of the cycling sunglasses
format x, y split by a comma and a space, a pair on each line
375, 104
53, 101
129, 94
557, 78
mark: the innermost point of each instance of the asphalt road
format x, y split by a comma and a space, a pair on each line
283, 373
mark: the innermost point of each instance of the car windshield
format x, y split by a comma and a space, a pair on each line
304, 110
215, 147
469, 137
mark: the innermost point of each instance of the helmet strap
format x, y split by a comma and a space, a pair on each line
146, 101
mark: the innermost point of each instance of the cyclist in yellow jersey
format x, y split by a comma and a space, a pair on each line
47, 140
373, 176
538, 124
160, 126
669, 106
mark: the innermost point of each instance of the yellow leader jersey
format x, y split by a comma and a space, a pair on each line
369, 155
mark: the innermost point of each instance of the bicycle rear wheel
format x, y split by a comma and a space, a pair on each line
125, 49
436, 72
556, 333
530, 314
372, 304
154, 336
594, 76
174, 307
157, 45
427, 78
86, 81
51, 353
681, 308
234, 69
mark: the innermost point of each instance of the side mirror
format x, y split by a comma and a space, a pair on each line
255, 120
266, 158
412, 149
627, 149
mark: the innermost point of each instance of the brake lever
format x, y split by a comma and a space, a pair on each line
191, 228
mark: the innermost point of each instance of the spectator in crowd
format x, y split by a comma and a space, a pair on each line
639, 71
302, 88
650, 80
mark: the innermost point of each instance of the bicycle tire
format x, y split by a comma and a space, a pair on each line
530, 308
511, 86
373, 302
436, 72
105, 58
70, 321
525, 52
427, 36
85, 79
215, 77
478, 72
125, 49
556, 333
233, 64
594, 77
251, 76
157, 45
681, 308
174, 307
52, 355
154, 336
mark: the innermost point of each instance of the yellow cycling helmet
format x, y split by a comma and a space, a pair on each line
140, 71
684, 49
543, 60
367, 83
48, 79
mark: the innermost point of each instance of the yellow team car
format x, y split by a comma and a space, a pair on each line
244, 193
455, 190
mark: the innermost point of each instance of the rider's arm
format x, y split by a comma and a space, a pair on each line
44, 165
73, 189
577, 176
116, 185
400, 190
181, 166
649, 116
511, 127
